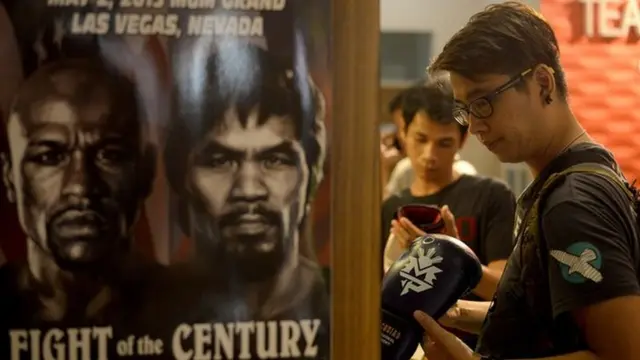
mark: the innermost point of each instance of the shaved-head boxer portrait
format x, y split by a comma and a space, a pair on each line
244, 157
78, 170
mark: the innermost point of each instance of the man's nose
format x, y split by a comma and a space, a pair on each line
77, 176
249, 184
428, 151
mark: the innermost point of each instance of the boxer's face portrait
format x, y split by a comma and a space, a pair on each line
250, 176
432, 146
73, 168
510, 132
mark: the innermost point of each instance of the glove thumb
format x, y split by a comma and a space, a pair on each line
449, 222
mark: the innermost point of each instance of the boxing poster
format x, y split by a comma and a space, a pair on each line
164, 188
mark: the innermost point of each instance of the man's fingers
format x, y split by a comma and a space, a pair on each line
450, 318
430, 326
413, 230
447, 216
431, 350
449, 221
434, 331
443, 339
401, 233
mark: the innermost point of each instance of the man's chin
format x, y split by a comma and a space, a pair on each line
255, 260
251, 242
80, 254
257, 270
251, 249
508, 158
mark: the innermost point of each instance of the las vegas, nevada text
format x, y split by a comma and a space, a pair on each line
203, 341
171, 18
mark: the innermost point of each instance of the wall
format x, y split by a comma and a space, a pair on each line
441, 18
603, 73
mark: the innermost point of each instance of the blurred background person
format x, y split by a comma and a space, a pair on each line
397, 172
479, 210
392, 142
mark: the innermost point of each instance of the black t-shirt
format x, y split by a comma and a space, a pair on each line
484, 211
593, 255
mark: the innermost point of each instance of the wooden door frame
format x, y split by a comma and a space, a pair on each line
355, 208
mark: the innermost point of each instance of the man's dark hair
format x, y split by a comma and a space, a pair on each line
89, 74
435, 98
396, 102
507, 39
252, 80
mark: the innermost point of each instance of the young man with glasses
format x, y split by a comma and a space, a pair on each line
570, 290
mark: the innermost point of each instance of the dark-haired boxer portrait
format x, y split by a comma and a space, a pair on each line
244, 157
78, 170
571, 288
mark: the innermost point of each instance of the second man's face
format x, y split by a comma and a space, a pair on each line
432, 147
251, 178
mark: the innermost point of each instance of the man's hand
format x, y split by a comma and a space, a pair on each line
434, 351
405, 232
453, 316
467, 316
449, 222
442, 344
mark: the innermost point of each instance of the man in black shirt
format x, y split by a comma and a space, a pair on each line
570, 290
484, 207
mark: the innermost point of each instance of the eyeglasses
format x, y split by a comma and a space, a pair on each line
481, 108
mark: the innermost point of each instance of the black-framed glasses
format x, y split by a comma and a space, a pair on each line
482, 108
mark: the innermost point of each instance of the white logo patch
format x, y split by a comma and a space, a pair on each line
579, 264
420, 272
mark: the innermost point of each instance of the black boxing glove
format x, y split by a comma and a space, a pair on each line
431, 276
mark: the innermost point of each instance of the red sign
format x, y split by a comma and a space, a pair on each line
610, 18
600, 54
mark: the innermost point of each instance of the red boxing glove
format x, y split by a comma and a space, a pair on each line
425, 217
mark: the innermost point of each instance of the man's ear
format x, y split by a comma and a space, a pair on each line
147, 171
544, 77
7, 177
463, 139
